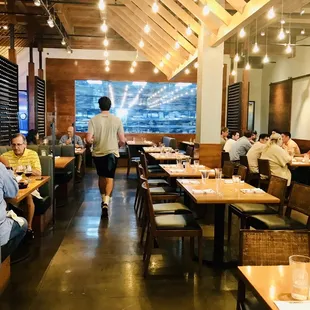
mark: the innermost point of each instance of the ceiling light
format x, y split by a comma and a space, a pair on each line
161, 64
233, 73
50, 21
287, 31
302, 11
237, 58
37, 2
101, 5
282, 21
271, 14
5, 27
131, 70
177, 45
302, 31
147, 28
105, 42
288, 49
155, 7
281, 35
255, 48
156, 70
105, 53
141, 43
247, 66
242, 33
187, 71
266, 59
104, 27
107, 69
107, 62
134, 63
188, 30
168, 56
205, 10
196, 64
63, 41
262, 33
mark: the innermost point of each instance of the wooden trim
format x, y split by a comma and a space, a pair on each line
224, 95
300, 77
209, 154
5, 273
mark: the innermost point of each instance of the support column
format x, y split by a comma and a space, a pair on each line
31, 91
12, 51
209, 100
40, 70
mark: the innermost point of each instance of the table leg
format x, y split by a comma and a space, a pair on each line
219, 219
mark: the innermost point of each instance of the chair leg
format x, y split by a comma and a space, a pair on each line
240, 295
138, 194
128, 167
200, 254
144, 225
192, 246
141, 209
146, 242
229, 224
148, 255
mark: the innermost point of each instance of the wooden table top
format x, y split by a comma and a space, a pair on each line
228, 193
269, 282
79, 151
62, 162
35, 183
299, 162
175, 172
168, 156
156, 149
139, 143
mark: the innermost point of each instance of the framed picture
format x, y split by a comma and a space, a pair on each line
251, 115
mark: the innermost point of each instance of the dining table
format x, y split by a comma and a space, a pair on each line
62, 162
139, 143
221, 192
168, 156
157, 149
174, 171
299, 162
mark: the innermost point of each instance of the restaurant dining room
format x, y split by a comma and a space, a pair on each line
154, 154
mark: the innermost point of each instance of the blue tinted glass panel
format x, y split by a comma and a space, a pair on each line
143, 107
23, 111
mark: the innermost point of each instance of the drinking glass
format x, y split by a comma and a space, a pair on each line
19, 170
236, 180
218, 173
196, 164
300, 276
204, 176
179, 163
28, 172
176, 151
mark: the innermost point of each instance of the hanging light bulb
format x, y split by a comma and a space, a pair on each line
161, 64
266, 59
271, 13
302, 11
303, 31
141, 43
177, 45
131, 70
247, 66
233, 73
288, 49
205, 10
237, 58
282, 21
188, 30
287, 31
262, 33
101, 5
105, 42
105, 53
107, 69
50, 21
5, 27
107, 62
156, 70
37, 2
104, 27
281, 35
134, 64
196, 64
255, 48
168, 56
155, 7
63, 41
147, 28
187, 71
242, 33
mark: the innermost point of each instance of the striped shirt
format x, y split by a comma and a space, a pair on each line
29, 157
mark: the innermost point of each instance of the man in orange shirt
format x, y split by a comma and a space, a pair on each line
289, 145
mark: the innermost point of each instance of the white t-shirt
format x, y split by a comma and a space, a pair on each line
229, 143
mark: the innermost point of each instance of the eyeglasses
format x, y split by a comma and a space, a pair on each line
17, 144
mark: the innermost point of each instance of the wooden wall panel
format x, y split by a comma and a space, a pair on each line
280, 102
304, 145
224, 95
210, 155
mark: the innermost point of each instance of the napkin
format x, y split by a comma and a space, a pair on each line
252, 191
177, 170
228, 181
203, 191
293, 305
194, 182
18, 178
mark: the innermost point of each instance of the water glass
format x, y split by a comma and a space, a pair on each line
28, 172
196, 164
204, 176
176, 151
43, 153
218, 173
179, 163
300, 276
236, 180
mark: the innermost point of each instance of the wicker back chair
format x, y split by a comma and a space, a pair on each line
224, 157
242, 171
228, 169
265, 172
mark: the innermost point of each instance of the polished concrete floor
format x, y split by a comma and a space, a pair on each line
86, 263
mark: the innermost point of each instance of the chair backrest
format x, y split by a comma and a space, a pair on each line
133, 151
228, 169
149, 205
33, 147
224, 157
264, 167
242, 171
299, 200
277, 187
170, 142
4, 148
67, 151
46, 148
244, 161
143, 162
57, 150
190, 151
47, 166
272, 247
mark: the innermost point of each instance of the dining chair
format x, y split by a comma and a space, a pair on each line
169, 226
251, 177
133, 157
190, 151
151, 172
255, 250
277, 187
242, 171
264, 173
228, 169
225, 157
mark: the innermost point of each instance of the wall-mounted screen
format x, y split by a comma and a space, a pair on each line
143, 107
23, 111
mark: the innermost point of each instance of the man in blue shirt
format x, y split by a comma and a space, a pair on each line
12, 227
67, 139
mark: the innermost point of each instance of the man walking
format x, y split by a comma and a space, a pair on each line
106, 132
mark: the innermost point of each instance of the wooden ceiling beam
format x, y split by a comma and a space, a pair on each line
154, 39
220, 12
237, 4
174, 21
61, 12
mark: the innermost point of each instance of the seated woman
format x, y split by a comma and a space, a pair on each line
278, 158
12, 227
32, 137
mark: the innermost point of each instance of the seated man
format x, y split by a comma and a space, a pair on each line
224, 135
12, 227
253, 137
229, 143
78, 143
21, 156
289, 145
241, 147
255, 152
